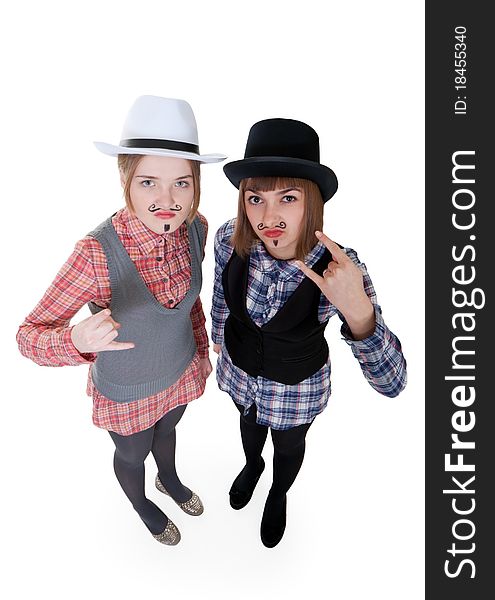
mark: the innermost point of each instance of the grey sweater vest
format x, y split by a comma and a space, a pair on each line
163, 337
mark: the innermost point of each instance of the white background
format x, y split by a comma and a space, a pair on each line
355, 515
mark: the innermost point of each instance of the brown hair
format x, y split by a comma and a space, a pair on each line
128, 163
244, 236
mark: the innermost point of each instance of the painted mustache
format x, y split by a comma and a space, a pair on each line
153, 208
261, 226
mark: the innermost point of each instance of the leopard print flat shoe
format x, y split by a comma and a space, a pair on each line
170, 536
193, 506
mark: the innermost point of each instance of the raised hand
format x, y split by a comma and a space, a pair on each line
97, 333
342, 283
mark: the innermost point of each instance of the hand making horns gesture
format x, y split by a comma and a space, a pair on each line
96, 333
342, 284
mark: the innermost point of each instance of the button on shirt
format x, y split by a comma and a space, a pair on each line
270, 284
164, 263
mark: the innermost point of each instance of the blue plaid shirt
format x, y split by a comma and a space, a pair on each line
270, 283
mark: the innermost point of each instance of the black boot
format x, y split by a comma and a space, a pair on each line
240, 494
273, 521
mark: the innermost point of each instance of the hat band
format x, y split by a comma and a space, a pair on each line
163, 144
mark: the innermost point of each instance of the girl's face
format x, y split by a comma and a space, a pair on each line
162, 192
276, 218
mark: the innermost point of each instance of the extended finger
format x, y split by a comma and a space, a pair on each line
309, 273
112, 346
337, 253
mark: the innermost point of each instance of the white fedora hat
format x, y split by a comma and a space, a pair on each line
160, 127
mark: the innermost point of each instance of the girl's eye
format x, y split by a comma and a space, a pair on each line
147, 183
181, 184
254, 200
289, 199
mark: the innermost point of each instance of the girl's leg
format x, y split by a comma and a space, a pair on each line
253, 440
130, 453
289, 446
163, 449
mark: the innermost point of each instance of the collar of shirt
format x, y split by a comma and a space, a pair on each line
146, 239
282, 270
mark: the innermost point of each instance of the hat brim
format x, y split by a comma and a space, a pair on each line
115, 150
281, 166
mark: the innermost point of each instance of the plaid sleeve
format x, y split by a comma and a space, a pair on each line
198, 324
45, 334
380, 354
223, 251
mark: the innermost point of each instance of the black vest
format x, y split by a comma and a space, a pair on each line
291, 346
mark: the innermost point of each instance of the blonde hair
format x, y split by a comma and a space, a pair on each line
244, 236
128, 163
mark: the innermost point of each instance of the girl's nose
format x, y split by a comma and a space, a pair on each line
164, 198
271, 216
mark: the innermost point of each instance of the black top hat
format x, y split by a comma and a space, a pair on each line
283, 148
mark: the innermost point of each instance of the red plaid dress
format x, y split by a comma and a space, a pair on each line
164, 263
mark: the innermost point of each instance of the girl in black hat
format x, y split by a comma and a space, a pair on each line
278, 280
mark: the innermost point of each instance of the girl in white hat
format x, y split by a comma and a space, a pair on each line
140, 274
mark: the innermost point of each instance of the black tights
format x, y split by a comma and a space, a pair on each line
289, 446
130, 453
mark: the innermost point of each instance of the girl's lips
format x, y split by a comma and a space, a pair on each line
164, 215
273, 233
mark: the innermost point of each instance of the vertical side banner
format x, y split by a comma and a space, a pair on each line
460, 328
